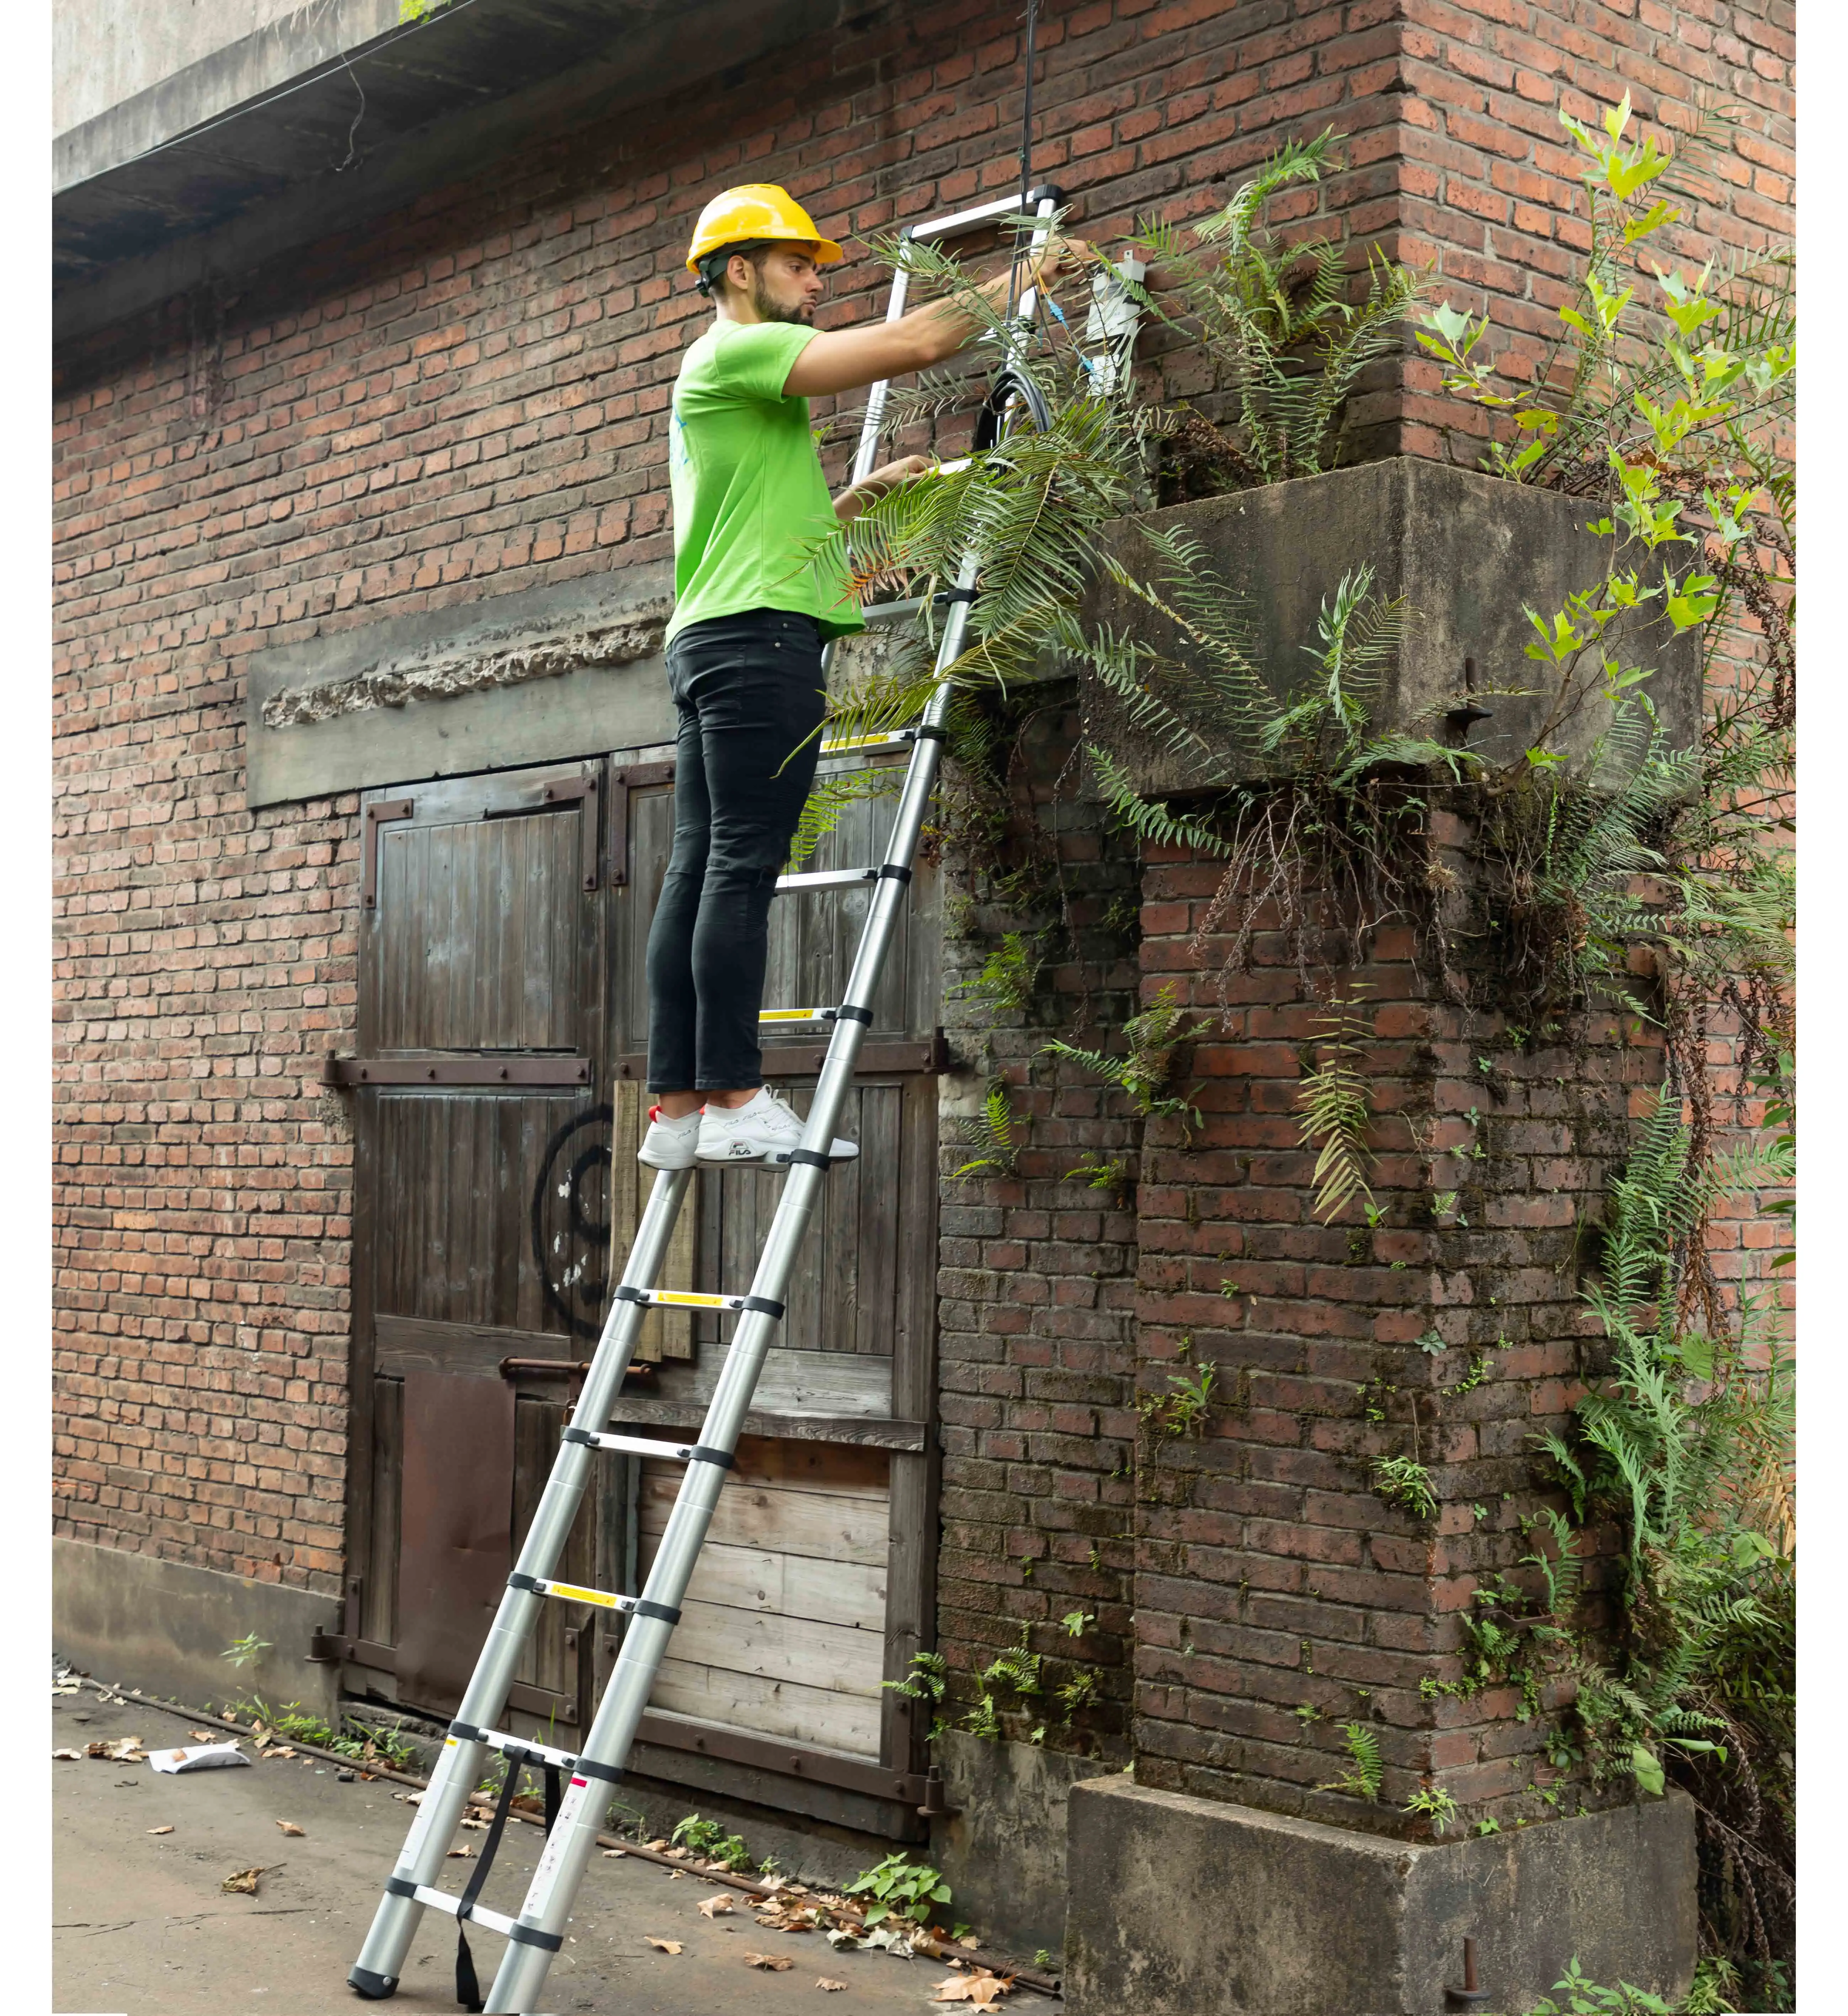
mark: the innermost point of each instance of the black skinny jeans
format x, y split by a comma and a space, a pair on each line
748, 691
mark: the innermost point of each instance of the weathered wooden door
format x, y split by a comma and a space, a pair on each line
814, 1587
482, 1212
503, 1030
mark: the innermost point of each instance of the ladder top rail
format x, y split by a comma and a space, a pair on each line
961, 221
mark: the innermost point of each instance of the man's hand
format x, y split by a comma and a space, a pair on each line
843, 360
876, 483
1055, 254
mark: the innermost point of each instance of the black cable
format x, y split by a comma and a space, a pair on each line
1021, 242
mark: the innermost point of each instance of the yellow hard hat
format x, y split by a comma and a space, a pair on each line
755, 211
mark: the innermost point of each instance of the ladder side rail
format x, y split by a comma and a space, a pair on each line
459, 1763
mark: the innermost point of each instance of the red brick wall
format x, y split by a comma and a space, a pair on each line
1037, 1332
1491, 201
466, 399
1272, 1578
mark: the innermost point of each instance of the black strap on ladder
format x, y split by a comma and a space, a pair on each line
468, 1987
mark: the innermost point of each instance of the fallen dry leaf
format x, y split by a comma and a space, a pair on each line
981, 1988
664, 1946
289, 1827
610, 1854
674, 1875
715, 1907
76, 1756
200, 1735
970, 1941
476, 1827
461, 1854
771, 1963
830, 1987
165, 1829
228, 1717
244, 1882
660, 1846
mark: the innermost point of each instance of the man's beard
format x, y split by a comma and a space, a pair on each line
802, 314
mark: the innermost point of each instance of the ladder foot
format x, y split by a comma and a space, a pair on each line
370, 1987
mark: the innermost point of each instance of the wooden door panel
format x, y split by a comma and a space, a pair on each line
483, 937
492, 1209
844, 1294
783, 1629
483, 1209
549, 1664
793, 1620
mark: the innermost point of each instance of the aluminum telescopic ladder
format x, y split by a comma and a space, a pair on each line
594, 1771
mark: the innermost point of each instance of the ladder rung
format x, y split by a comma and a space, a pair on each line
827, 878
870, 745
642, 1446
784, 1015
570, 1592
441, 1900
494, 1739
682, 1298
984, 213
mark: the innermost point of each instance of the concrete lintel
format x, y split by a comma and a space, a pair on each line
239, 69
163, 1626
538, 675
1183, 1907
270, 172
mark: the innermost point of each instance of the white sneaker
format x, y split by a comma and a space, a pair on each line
764, 1129
670, 1144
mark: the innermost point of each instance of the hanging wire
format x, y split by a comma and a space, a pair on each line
1022, 240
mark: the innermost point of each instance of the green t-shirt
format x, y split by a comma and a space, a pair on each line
750, 503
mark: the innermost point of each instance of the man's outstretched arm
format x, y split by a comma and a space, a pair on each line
843, 360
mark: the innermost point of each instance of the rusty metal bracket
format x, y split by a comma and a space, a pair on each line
383, 813
482, 1070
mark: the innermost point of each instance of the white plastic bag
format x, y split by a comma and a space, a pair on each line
205, 1757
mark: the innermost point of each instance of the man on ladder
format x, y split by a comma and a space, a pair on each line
746, 503
759, 591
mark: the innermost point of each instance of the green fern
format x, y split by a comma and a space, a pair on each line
996, 1130
928, 1677
1142, 1073
1363, 1780
830, 796
1433, 1804
1109, 1173
1275, 315
1334, 1103
1016, 1668
1007, 975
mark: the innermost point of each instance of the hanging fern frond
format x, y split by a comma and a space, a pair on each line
1334, 1103
830, 796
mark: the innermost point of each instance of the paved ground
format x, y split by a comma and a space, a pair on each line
143, 1927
